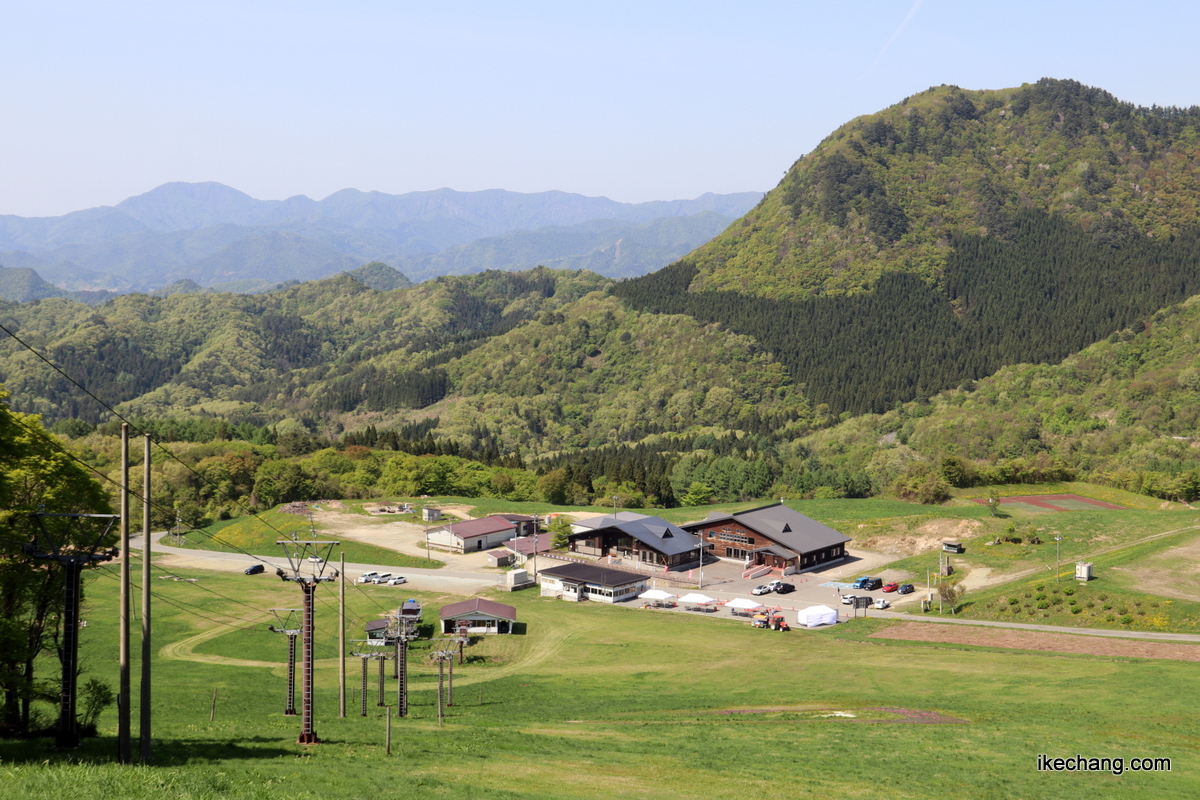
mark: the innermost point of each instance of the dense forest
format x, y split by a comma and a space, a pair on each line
1047, 290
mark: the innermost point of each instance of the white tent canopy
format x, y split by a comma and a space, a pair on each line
739, 602
813, 616
696, 597
655, 594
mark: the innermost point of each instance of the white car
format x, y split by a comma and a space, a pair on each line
367, 577
881, 604
847, 599
382, 578
760, 590
396, 581
316, 559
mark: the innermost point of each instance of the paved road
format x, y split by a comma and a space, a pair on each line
455, 581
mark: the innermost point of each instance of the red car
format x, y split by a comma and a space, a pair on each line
891, 587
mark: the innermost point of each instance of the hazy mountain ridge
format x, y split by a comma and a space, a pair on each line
147, 241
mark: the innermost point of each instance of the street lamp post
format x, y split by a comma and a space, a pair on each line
1057, 557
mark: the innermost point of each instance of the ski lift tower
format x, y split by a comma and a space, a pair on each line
73, 540
442, 657
307, 560
462, 638
289, 620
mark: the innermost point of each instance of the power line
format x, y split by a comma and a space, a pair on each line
135, 427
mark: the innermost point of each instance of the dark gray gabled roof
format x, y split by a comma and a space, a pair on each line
781, 524
665, 537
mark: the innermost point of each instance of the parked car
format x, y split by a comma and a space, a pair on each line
255, 569
382, 578
872, 584
905, 588
891, 587
764, 589
785, 588
396, 581
847, 599
316, 559
367, 577
775, 584
881, 604
861, 583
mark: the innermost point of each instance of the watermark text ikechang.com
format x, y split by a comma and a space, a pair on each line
1117, 766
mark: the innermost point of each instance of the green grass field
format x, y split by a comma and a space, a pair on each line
259, 534
592, 701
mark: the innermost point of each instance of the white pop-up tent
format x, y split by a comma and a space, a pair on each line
655, 594
813, 616
740, 602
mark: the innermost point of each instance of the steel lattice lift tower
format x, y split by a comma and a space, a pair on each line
402, 629
74, 552
306, 566
442, 657
289, 620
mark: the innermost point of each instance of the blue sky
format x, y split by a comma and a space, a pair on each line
634, 101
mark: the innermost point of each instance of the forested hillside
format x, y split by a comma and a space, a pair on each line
914, 254
953, 234
1125, 412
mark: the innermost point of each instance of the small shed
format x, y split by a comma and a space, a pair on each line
377, 631
481, 616
499, 558
431, 514
950, 546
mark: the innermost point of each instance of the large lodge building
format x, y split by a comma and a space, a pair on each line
773, 536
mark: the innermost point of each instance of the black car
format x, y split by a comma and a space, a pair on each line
873, 584
255, 569
905, 588
784, 588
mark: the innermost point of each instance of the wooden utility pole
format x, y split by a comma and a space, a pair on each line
124, 739
342, 638
144, 708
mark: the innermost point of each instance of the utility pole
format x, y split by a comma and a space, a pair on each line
1057, 556
74, 553
537, 538
124, 695
289, 625
144, 706
342, 641
307, 568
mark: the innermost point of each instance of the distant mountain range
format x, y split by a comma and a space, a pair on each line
219, 237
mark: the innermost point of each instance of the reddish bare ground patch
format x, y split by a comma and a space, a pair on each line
1039, 640
915, 716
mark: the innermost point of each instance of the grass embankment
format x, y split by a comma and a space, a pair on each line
592, 701
1117, 598
259, 534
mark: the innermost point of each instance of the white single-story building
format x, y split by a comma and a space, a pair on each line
481, 616
474, 535
593, 582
